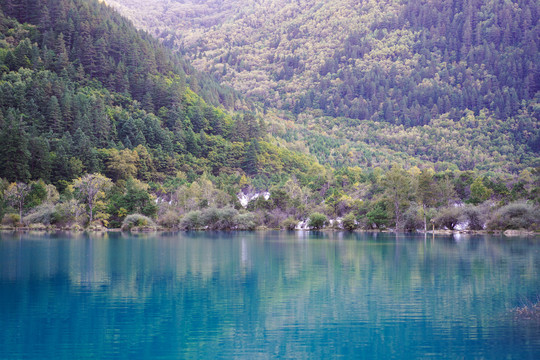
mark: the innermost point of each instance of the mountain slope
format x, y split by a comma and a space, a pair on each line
85, 96
374, 81
395, 61
84, 91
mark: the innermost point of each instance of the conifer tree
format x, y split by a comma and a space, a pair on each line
14, 153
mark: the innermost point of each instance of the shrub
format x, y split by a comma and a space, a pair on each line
474, 216
245, 221
11, 220
349, 222
137, 221
289, 223
219, 219
515, 216
69, 213
191, 221
170, 219
317, 221
448, 218
412, 220
378, 216
42, 214
275, 217
227, 218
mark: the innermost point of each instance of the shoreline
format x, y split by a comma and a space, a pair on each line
507, 233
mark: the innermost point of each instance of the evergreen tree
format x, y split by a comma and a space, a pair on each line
250, 160
14, 153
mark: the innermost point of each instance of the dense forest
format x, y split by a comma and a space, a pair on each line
459, 78
401, 62
102, 125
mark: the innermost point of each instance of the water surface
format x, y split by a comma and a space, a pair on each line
266, 295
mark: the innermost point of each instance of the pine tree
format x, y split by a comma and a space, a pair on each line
14, 153
54, 116
250, 160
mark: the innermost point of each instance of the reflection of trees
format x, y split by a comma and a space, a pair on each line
197, 290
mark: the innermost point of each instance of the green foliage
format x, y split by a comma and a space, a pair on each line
170, 219
42, 214
37, 194
14, 153
245, 221
91, 189
120, 125
515, 216
398, 78
317, 221
11, 220
138, 221
448, 217
133, 197
378, 216
289, 224
412, 220
115, 101
479, 192
349, 222
398, 190
191, 221
475, 217
219, 219
69, 212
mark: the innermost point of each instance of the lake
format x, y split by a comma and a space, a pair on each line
260, 295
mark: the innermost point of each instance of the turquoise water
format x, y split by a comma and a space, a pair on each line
267, 295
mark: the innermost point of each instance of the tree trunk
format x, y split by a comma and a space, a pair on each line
91, 214
398, 220
425, 220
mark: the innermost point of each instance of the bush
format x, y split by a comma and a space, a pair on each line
474, 216
245, 221
138, 221
378, 216
317, 221
515, 216
69, 213
289, 224
219, 219
412, 220
349, 222
11, 220
170, 219
42, 214
191, 221
448, 218
274, 218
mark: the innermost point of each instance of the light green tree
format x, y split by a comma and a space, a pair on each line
425, 192
398, 186
479, 192
15, 194
91, 188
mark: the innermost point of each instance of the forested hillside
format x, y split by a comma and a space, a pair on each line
434, 65
101, 125
82, 89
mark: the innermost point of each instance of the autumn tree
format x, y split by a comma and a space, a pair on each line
91, 188
16, 194
123, 164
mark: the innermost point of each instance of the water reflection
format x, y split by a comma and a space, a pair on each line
266, 294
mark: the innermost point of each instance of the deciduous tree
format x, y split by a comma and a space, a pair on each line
16, 194
92, 188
